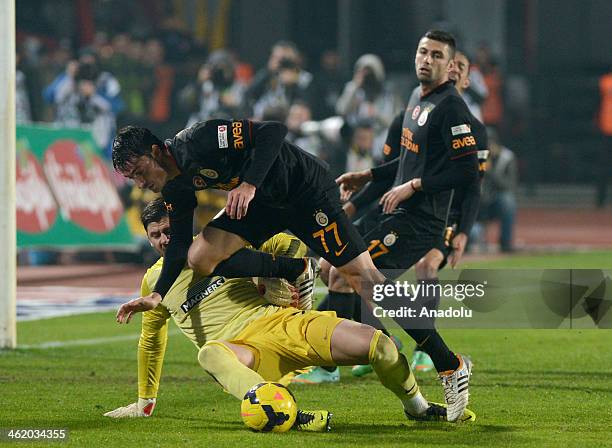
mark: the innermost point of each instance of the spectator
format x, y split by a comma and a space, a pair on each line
493, 105
299, 113
216, 93
281, 83
366, 98
498, 200
23, 112
328, 84
359, 156
85, 95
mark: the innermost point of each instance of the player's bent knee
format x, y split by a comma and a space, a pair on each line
201, 258
207, 355
350, 343
382, 350
214, 353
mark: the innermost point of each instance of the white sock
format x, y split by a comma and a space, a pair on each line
416, 405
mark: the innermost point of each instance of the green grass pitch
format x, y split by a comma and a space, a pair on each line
529, 388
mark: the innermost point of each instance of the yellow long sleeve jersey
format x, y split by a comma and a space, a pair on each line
204, 308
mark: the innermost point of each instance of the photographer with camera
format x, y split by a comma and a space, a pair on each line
366, 98
216, 93
281, 83
85, 95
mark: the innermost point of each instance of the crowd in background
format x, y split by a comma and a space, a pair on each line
167, 83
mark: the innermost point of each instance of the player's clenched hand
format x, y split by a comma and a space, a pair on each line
139, 305
238, 200
352, 182
458, 244
143, 408
392, 198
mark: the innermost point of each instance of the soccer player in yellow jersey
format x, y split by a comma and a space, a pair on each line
243, 339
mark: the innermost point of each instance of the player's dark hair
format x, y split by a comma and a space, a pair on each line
444, 37
130, 143
154, 211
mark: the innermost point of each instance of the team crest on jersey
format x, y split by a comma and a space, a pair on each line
198, 182
390, 239
423, 117
415, 112
321, 219
210, 173
222, 136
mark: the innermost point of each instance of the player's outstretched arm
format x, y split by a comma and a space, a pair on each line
392, 198
142, 408
352, 182
139, 305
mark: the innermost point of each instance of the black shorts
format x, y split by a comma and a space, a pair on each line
318, 220
398, 241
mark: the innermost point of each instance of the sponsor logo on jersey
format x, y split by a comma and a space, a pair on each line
461, 129
459, 143
222, 136
237, 133
415, 112
210, 173
390, 239
321, 219
199, 294
406, 141
198, 182
423, 117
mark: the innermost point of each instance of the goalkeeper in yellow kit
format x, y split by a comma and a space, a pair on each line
244, 339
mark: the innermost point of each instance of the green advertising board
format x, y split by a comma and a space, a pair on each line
65, 193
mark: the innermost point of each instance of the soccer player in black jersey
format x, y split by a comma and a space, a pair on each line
437, 161
273, 186
393, 254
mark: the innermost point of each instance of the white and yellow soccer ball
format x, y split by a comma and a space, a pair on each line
268, 407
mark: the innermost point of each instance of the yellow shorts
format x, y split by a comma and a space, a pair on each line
288, 340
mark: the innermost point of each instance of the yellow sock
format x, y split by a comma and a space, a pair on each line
394, 373
223, 365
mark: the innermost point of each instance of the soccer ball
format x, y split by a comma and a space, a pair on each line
268, 407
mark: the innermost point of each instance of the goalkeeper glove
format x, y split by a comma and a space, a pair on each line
280, 292
143, 408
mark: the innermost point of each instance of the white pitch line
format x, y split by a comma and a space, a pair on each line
92, 341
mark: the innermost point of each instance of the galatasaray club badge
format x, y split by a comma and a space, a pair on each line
390, 239
415, 112
321, 219
211, 174
198, 182
423, 117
